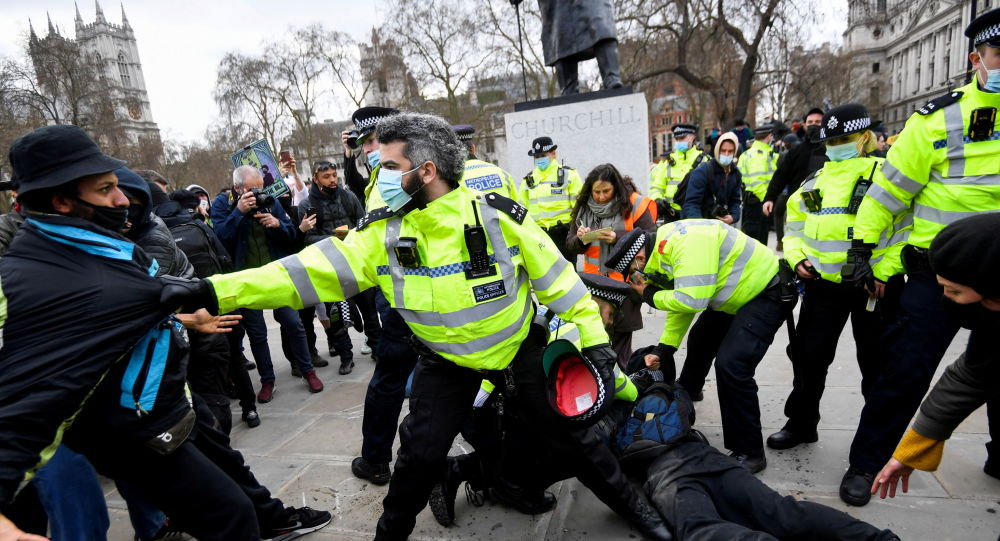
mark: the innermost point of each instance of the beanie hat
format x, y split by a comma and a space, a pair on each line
967, 252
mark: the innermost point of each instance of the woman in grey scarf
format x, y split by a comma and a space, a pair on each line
608, 206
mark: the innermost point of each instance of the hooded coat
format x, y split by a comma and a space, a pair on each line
149, 231
571, 28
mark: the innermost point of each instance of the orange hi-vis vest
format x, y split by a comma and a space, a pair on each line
592, 255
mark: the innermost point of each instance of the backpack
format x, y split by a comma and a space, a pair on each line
682, 188
199, 249
662, 416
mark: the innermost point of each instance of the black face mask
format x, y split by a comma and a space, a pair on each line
328, 190
111, 218
971, 316
812, 132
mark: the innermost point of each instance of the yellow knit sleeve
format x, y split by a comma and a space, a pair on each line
919, 452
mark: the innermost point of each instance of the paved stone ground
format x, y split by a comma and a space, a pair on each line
303, 449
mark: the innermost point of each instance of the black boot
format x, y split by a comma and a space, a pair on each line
787, 438
442, 500
649, 522
856, 486
525, 501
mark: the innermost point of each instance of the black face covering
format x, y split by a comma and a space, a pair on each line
972, 316
328, 190
111, 218
812, 132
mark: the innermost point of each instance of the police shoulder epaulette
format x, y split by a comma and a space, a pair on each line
507, 206
940, 102
374, 216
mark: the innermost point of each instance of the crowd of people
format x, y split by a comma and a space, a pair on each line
505, 310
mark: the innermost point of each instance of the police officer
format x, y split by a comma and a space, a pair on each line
692, 265
466, 293
757, 166
549, 192
361, 142
820, 220
480, 175
668, 174
945, 166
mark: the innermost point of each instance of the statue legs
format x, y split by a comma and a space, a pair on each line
606, 52
568, 77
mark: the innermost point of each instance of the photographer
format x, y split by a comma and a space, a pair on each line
256, 231
713, 189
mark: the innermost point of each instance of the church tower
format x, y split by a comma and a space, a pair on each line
114, 46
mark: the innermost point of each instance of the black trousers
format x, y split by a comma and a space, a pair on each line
733, 504
826, 308
917, 341
755, 224
365, 303
440, 400
338, 340
704, 340
238, 373
742, 348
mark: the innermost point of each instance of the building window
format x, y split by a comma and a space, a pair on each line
875, 67
880, 6
123, 71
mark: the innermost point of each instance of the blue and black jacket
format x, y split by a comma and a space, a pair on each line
88, 351
233, 229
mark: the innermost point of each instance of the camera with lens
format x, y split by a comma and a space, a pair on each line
718, 211
264, 200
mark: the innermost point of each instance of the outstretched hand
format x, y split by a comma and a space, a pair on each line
204, 322
10, 532
892, 473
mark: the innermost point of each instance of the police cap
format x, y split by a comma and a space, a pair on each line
844, 120
627, 247
985, 29
607, 289
464, 131
365, 119
681, 130
541, 145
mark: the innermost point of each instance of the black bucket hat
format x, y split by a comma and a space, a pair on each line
844, 120
627, 248
575, 388
52, 156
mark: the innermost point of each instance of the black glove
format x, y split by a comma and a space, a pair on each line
188, 295
647, 294
665, 353
644, 378
604, 358
857, 269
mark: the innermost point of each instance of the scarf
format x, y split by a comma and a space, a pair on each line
596, 216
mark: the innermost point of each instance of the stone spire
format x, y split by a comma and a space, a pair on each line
100, 12
32, 37
79, 19
52, 29
124, 18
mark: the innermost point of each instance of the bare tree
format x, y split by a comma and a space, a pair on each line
446, 52
343, 58
245, 87
500, 21
299, 67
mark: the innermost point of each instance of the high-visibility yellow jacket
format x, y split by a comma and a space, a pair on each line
486, 177
757, 166
477, 322
564, 330
712, 265
936, 170
824, 236
548, 203
373, 199
668, 174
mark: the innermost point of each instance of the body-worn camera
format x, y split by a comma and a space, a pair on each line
264, 199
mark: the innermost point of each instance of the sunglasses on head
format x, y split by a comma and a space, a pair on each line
323, 166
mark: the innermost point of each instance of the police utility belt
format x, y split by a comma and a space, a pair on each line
784, 284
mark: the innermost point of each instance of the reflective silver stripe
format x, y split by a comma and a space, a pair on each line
551, 198
684, 298
831, 268
727, 244
977, 180
889, 201
945, 217
954, 124
900, 180
482, 343
570, 298
491, 222
798, 233
636, 206
478, 312
621, 387
300, 279
898, 237
345, 275
795, 225
573, 334
395, 270
735, 274
551, 213
695, 280
593, 261
546, 280
756, 173
828, 246
668, 269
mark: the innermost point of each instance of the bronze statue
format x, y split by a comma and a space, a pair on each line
578, 30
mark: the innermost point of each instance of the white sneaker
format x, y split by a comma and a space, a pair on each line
365, 350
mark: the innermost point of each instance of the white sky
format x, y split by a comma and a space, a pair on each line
181, 41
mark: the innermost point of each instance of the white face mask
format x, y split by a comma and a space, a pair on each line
725, 160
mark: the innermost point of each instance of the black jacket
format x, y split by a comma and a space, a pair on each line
798, 164
340, 208
710, 184
355, 180
9, 224
233, 229
79, 298
209, 256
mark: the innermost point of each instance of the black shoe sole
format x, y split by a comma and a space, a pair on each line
849, 500
300, 532
790, 443
439, 506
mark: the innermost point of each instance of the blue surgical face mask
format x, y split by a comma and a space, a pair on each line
390, 187
374, 158
542, 163
681, 146
839, 153
992, 81
725, 160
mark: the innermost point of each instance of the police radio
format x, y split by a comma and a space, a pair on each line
981, 123
860, 189
475, 242
560, 177
406, 252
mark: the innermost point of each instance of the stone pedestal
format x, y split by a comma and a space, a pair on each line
610, 126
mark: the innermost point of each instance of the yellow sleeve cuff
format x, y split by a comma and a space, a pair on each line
919, 452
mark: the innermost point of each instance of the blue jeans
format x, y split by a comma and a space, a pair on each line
68, 489
256, 328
